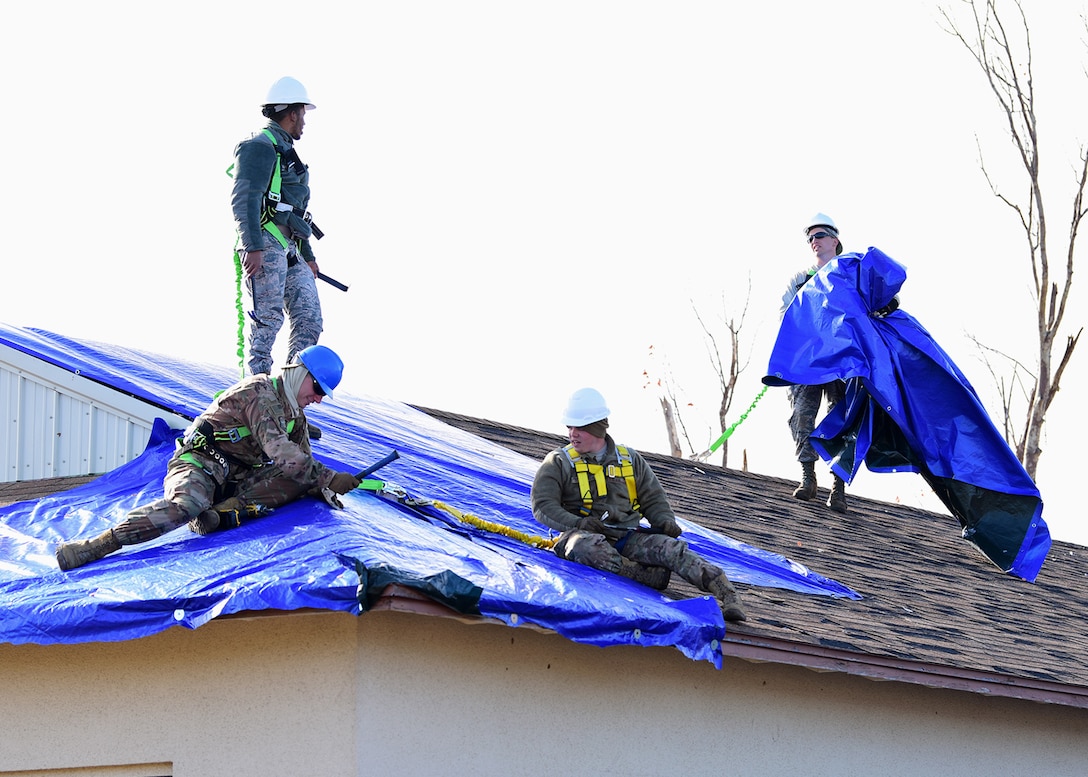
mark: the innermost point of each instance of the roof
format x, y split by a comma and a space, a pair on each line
928, 607
933, 610
453, 522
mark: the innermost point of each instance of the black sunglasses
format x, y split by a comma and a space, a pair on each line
317, 387
818, 235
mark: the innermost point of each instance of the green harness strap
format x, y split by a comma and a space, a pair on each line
584, 470
273, 194
201, 441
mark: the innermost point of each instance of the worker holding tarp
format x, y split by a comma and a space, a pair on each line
597, 493
907, 407
248, 453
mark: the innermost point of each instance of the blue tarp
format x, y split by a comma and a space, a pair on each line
308, 555
908, 408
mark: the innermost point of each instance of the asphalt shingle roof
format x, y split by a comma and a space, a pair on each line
932, 603
934, 609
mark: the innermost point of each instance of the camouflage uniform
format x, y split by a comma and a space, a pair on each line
285, 281
805, 400
557, 503
269, 467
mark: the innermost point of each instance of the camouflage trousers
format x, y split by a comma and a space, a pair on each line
276, 291
188, 490
805, 401
657, 550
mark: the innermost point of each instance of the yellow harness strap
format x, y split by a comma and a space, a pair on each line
584, 469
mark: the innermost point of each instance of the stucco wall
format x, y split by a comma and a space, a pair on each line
260, 697
393, 693
477, 700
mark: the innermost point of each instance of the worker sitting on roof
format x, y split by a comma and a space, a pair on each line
597, 492
248, 453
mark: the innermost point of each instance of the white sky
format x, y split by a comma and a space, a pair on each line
527, 197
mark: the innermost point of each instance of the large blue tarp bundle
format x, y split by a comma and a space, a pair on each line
908, 408
308, 555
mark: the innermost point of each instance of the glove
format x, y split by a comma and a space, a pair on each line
591, 523
342, 482
891, 307
671, 528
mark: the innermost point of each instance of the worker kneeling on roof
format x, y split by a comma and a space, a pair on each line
248, 453
597, 493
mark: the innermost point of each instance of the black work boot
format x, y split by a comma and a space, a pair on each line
653, 577
837, 500
205, 523
75, 554
807, 489
722, 590
228, 514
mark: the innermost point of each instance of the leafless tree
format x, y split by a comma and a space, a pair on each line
1004, 55
664, 385
727, 369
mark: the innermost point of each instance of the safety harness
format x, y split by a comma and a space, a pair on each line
600, 473
203, 436
273, 202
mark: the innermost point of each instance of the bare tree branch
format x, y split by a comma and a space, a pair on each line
1004, 55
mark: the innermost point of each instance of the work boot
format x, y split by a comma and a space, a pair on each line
228, 514
651, 576
807, 489
205, 523
837, 500
726, 594
313, 431
75, 554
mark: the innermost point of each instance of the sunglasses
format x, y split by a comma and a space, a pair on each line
317, 387
818, 235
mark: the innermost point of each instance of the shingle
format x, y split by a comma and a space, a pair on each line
929, 596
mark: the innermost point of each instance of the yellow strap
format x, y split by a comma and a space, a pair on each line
583, 469
627, 472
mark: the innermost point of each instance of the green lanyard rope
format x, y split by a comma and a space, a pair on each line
238, 306
729, 431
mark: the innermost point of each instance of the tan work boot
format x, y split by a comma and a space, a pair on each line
75, 554
807, 489
651, 576
726, 594
837, 499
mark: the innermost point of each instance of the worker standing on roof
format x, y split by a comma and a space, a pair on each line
823, 236
248, 453
597, 493
270, 197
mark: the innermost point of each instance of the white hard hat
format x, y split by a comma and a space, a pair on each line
288, 91
585, 406
822, 220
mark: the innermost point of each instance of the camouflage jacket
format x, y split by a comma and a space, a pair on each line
557, 498
255, 425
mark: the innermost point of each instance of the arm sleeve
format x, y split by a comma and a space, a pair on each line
547, 495
254, 163
268, 426
653, 503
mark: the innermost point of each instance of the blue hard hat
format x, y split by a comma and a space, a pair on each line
324, 365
